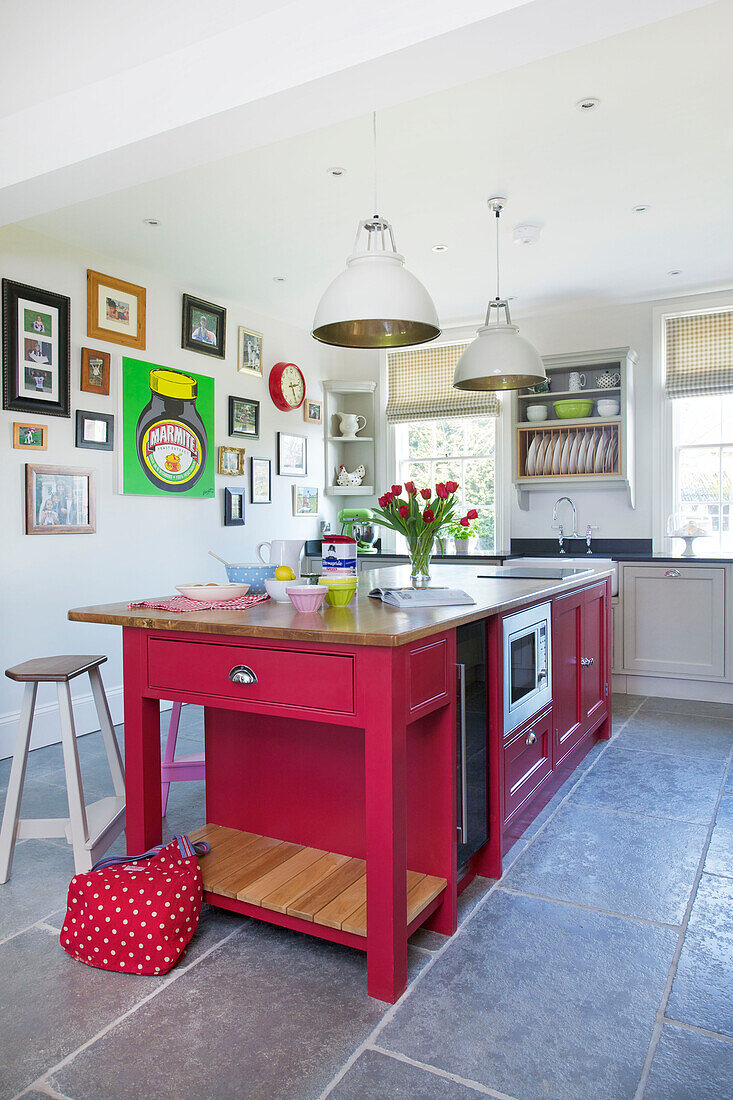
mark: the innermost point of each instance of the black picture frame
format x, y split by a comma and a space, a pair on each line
234, 508
192, 306
108, 419
285, 470
232, 413
254, 497
14, 397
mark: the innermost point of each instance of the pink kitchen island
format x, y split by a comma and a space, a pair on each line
337, 752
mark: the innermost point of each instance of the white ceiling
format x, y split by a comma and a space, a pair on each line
662, 135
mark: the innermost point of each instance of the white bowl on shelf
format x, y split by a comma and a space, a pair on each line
606, 406
536, 412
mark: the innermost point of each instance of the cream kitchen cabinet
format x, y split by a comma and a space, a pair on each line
674, 620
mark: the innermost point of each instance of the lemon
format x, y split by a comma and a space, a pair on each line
284, 573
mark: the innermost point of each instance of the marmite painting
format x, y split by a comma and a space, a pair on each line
168, 422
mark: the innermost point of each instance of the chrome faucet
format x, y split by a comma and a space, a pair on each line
559, 527
589, 535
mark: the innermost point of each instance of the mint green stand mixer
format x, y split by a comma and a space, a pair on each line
358, 523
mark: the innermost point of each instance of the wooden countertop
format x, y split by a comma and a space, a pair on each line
365, 621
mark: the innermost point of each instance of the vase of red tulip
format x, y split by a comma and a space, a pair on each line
421, 515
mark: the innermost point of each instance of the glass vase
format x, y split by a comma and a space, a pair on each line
420, 551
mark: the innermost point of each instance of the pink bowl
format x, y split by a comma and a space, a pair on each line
306, 597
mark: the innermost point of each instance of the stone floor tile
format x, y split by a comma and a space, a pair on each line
376, 1076
537, 999
690, 1066
269, 1014
641, 867
702, 991
720, 853
38, 884
50, 1004
656, 705
652, 783
623, 705
547, 811
680, 735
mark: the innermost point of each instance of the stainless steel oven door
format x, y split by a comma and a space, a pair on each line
527, 664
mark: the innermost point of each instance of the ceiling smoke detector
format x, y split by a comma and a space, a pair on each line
526, 233
336, 171
588, 103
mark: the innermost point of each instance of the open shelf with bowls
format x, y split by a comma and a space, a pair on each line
582, 436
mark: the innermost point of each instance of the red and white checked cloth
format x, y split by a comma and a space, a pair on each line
182, 603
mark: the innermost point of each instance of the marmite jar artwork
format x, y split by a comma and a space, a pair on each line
171, 437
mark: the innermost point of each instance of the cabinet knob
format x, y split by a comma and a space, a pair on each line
531, 737
242, 674
672, 573
586, 662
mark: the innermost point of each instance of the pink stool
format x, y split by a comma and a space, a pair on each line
188, 767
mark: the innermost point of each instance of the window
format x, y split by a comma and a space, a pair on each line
703, 465
461, 449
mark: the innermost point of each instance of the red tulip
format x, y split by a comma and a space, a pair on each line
442, 490
451, 486
396, 489
472, 513
404, 511
410, 488
383, 501
464, 521
425, 494
428, 515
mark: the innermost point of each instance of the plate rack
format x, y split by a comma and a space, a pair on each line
577, 451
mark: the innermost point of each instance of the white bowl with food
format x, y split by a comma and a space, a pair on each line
212, 593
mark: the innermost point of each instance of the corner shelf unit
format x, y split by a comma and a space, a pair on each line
558, 446
354, 397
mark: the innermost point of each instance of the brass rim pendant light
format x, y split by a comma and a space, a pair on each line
499, 358
376, 302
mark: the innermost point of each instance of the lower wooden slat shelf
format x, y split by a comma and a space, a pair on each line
327, 888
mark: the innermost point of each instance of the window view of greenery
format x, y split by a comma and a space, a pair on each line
703, 436
462, 450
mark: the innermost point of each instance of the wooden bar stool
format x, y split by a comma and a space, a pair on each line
89, 829
192, 766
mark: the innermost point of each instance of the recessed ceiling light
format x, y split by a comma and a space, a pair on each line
588, 103
440, 248
642, 208
526, 233
674, 271
278, 278
151, 221
336, 171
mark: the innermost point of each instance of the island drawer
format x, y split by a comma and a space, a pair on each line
527, 762
284, 677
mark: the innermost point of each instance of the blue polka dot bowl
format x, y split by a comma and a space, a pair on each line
254, 574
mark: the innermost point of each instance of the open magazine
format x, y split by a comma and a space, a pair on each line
422, 597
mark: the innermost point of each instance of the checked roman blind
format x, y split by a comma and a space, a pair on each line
420, 383
699, 354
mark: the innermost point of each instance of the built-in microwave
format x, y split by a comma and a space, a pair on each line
527, 665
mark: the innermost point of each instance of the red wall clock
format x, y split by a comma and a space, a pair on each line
287, 386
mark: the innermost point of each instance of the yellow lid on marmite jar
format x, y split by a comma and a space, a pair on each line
171, 383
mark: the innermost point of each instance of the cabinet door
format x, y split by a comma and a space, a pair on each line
594, 655
674, 620
567, 617
527, 763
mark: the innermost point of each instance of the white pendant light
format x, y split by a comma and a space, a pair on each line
499, 358
376, 302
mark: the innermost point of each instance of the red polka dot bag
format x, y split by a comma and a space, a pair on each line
136, 916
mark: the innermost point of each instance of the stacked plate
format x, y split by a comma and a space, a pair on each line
593, 451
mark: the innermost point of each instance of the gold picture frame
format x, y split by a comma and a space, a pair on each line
249, 352
312, 411
26, 436
115, 310
231, 461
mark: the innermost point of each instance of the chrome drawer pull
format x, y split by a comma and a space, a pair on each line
672, 573
242, 674
531, 738
586, 662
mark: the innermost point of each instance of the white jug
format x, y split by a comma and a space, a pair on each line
349, 424
282, 552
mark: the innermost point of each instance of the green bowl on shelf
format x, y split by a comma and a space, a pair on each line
573, 410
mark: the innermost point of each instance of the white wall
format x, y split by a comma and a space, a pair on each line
144, 546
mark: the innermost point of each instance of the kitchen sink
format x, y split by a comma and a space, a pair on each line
587, 561
531, 572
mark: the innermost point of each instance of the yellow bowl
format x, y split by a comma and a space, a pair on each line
341, 590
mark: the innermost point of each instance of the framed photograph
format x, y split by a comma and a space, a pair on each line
292, 455
234, 507
115, 310
312, 411
59, 500
95, 371
260, 481
249, 354
204, 327
31, 437
231, 460
244, 417
96, 431
305, 500
35, 350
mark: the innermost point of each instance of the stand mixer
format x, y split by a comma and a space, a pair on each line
358, 524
